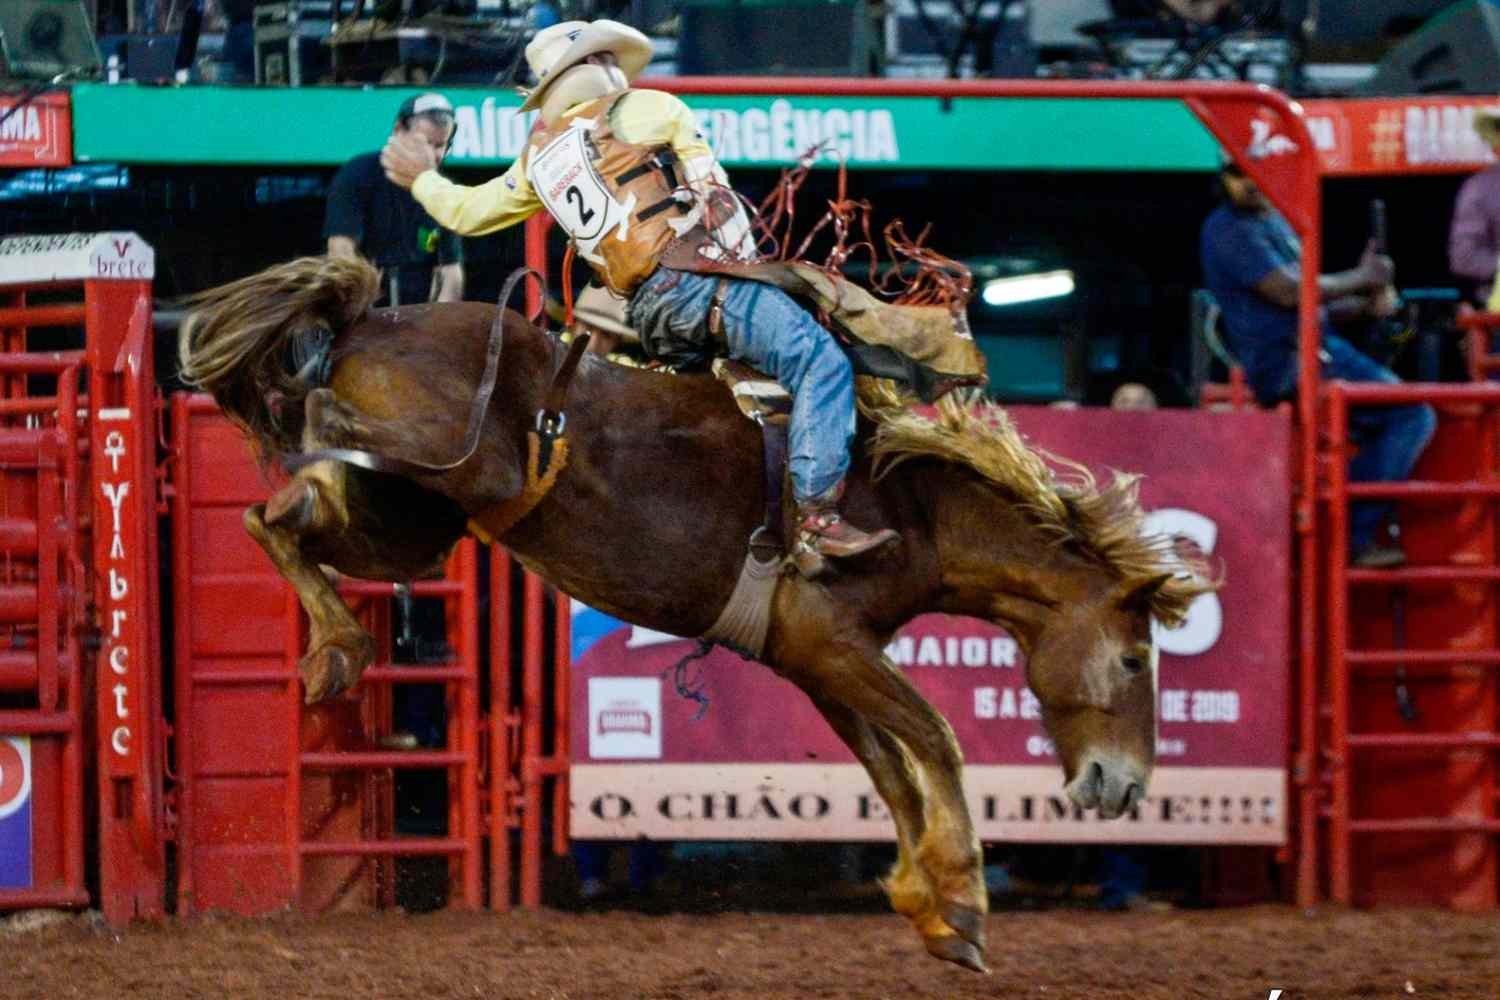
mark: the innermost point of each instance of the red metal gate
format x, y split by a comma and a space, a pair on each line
78, 542
280, 803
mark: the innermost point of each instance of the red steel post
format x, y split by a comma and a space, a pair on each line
73, 748
1337, 623
292, 807
468, 714
562, 643
182, 644
533, 656
500, 730
122, 460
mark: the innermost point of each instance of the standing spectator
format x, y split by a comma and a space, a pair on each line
1474, 237
1252, 263
237, 59
368, 215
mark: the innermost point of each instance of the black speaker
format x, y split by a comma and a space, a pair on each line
42, 38
1457, 52
774, 38
1339, 22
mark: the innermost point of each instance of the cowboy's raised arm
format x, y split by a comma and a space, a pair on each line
472, 211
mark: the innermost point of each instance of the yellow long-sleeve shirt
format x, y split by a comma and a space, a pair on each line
645, 118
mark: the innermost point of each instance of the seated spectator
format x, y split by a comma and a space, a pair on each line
1132, 396
1474, 236
1252, 264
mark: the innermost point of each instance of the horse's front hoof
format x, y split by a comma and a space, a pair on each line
334, 667
952, 948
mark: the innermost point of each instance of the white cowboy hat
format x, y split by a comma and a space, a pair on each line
561, 46
1487, 124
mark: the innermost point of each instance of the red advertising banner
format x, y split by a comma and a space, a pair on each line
758, 762
38, 133
1432, 135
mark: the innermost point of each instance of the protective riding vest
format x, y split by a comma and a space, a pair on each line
623, 205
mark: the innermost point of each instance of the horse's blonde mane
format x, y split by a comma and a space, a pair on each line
233, 340
1061, 497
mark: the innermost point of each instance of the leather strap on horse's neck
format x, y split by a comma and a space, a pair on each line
546, 454
477, 408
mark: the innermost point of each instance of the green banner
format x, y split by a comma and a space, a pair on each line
327, 125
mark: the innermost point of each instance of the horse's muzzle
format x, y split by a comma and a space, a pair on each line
1111, 788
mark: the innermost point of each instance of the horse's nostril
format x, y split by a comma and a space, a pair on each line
1096, 778
1133, 794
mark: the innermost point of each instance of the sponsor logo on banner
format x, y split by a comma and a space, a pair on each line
1392, 136
837, 802
1266, 140
1205, 617
36, 134
780, 132
15, 812
625, 718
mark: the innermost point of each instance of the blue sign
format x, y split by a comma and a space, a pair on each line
15, 812
589, 626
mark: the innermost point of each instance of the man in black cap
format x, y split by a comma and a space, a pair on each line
369, 216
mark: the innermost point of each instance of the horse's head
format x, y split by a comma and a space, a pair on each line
1065, 564
1092, 665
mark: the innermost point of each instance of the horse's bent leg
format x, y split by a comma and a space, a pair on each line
339, 649
895, 779
821, 651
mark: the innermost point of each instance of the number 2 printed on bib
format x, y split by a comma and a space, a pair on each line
573, 191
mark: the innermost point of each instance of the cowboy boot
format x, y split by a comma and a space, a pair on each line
822, 534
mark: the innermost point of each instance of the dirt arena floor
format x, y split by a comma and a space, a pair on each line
1219, 954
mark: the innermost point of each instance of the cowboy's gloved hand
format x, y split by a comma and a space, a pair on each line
405, 158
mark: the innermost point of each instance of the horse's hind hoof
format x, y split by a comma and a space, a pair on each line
293, 507
952, 948
967, 921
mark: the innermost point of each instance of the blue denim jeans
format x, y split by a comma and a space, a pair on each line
1390, 438
766, 329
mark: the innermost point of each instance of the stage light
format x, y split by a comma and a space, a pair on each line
1028, 288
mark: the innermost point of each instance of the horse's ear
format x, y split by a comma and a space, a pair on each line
1136, 595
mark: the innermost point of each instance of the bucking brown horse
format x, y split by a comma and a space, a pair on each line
649, 520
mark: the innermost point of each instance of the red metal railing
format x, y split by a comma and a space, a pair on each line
461, 758
1479, 328
42, 584
1344, 662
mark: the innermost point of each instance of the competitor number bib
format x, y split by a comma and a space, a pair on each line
564, 178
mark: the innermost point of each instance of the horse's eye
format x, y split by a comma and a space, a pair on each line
1132, 664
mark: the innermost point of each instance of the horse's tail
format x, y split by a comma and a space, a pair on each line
233, 342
